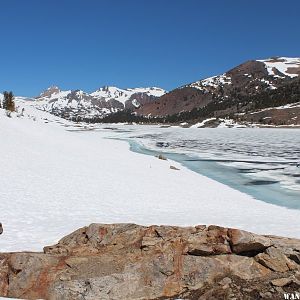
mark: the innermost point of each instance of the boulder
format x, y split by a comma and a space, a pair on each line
281, 281
212, 241
245, 242
274, 259
128, 261
174, 168
160, 156
4, 274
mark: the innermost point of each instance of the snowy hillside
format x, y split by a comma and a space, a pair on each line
231, 91
286, 66
272, 69
211, 82
106, 100
57, 177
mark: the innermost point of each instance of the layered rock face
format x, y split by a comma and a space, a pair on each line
128, 261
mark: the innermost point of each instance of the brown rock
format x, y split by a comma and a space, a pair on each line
4, 275
127, 261
225, 281
243, 241
160, 156
281, 282
275, 259
214, 240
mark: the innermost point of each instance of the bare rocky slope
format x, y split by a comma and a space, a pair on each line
250, 78
128, 261
247, 88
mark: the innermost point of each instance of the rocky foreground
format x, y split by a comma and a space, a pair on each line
128, 261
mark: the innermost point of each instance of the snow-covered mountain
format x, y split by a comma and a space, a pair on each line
269, 72
248, 87
248, 79
104, 101
123, 95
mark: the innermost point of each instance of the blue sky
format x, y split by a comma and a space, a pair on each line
85, 44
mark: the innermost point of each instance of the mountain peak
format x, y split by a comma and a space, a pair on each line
53, 89
107, 88
244, 81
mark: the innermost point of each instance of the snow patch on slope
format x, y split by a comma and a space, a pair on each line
150, 91
201, 124
285, 65
122, 95
278, 67
286, 106
213, 82
112, 92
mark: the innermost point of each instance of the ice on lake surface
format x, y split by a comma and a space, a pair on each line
59, 179
262, 162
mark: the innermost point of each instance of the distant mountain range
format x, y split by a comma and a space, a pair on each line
104, 101
264, 91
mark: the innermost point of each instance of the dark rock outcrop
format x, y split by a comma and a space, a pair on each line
128, 261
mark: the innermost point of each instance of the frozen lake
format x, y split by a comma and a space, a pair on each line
259, 161
58, 176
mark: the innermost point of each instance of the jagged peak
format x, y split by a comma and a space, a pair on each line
53, 87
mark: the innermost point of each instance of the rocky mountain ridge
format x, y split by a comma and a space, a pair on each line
229, 89
128, 261
72, 104
242, 94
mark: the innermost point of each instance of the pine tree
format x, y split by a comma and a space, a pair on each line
11, 102
5, 97
8, 101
